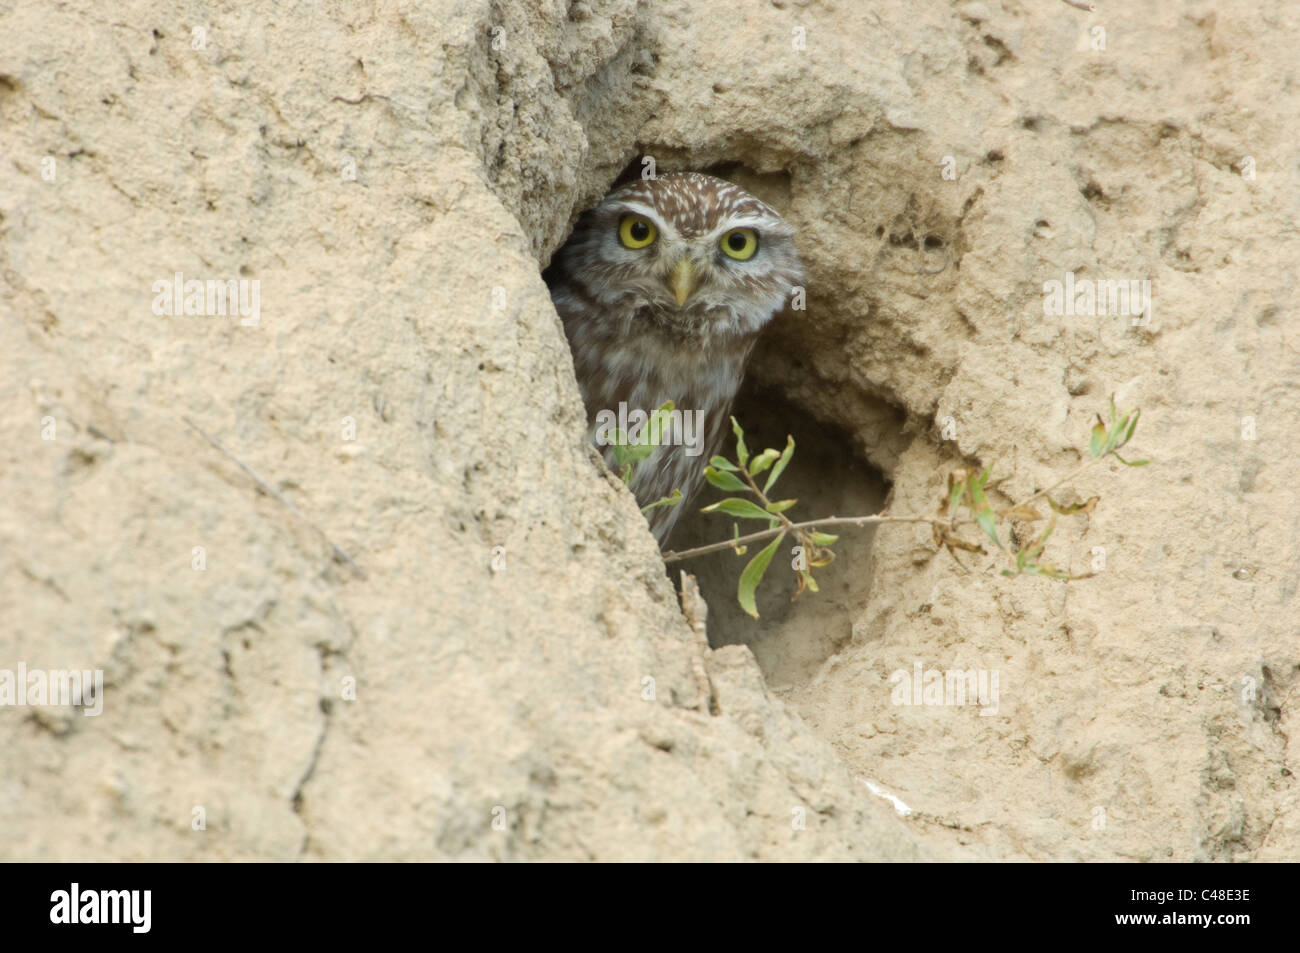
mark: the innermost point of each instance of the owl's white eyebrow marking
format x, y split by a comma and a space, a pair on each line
637, 208
756, 222
667, 231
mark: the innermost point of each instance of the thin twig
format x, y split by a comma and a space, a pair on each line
762, 498
1081, 5
339, 552
787, 526
671, 557
1066, 479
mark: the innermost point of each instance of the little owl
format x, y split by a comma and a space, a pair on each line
663, 289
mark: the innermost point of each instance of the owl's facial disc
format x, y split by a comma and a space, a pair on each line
716, 261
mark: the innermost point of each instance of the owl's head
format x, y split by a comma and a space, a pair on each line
698, 251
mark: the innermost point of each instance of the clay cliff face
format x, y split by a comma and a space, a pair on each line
418, 620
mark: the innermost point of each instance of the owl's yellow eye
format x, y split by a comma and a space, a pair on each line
636, 232
740, 243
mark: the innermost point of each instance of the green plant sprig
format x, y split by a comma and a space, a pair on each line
629, 453
814, 545
965, 502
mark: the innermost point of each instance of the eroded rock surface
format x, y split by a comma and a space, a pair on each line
502, 671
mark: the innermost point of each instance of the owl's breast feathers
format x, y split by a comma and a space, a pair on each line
626, 358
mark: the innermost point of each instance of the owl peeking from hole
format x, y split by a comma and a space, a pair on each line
663, 289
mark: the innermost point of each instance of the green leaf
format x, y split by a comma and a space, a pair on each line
988, 523
664, 501
734, 506
1131, 463
1133, 423
1037, 548
722, 463
958, 491
742, 454
780, 506
1114, 433
1098, 439
823, 539
983, 512
652, 434
625, 451
762, 462
648, 438
781, 464
808, 580
753, 575
640, 451
723, 481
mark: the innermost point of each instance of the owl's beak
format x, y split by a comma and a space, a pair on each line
682, 280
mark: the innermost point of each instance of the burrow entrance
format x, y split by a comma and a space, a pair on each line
830, 476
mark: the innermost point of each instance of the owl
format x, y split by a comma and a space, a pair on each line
663, 289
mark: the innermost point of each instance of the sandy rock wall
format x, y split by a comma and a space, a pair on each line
392, 182
428, 625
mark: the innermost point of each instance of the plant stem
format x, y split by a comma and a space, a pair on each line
789, 527
671, 557
1064, 480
